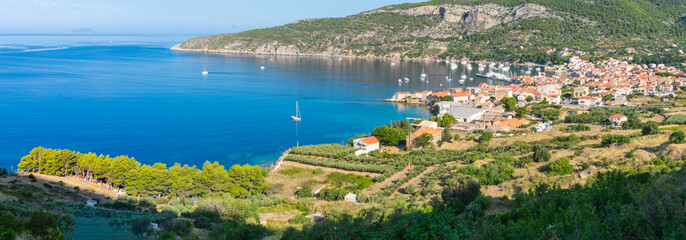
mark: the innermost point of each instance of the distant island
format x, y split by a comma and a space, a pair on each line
82, 31
493, 30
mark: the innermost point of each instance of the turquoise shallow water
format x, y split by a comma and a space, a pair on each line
136, 97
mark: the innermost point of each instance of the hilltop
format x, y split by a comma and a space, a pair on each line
499, 30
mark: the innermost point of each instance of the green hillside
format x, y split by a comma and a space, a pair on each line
476, 29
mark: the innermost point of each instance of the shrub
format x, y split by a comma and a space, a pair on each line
615, 139
460, 190
181, 226
77, 188
541, 154
32, 178
262, 200
304, 192
300, 219
160, 201
361, 197
141, 225
650, 128
317, 171
485, 137
167, 208
677, 137
632, 123
560, 166
120, 206
332, 194
147, 202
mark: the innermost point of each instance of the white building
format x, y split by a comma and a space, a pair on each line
350, 197
553, 99
617, 120
366, 145
401, 95
587, 101
464, 114
426, 123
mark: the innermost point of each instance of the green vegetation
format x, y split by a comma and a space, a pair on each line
460, 190
510, 103
304, 192
650, 128
541, 154
677, 137
424, 140
338, 164
485, 137
560, 166
613, 206
16, 220
349, 181
324, 150
615, 139
589, 26
676, 119
390, 136
145, 180
576, 128
493, 173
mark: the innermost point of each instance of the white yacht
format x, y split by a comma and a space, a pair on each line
297, 116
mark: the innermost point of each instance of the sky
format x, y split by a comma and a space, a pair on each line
168, 16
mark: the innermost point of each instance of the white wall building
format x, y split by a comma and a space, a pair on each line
366, 145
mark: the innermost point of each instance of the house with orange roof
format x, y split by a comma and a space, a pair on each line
617, 120
401, 95
508, 125
366, 145
666, 87
553, 99
434, 132
462, 97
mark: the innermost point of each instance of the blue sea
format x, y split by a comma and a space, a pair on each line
131, 95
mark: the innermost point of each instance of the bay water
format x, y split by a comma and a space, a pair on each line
131, 95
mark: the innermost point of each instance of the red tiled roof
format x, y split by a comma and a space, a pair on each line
423, 130
370, 140
617, 116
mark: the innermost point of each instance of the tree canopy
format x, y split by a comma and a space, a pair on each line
148, 180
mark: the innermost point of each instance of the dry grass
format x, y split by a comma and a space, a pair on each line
388, 181
289, 183
99, 192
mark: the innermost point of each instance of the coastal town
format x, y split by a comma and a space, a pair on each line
589, 84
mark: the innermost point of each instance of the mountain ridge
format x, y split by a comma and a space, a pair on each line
478, 30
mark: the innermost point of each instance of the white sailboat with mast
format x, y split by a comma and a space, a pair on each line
297, 116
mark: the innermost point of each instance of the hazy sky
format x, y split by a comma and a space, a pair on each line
170, 16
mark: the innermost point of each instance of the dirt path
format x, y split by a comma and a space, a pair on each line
98, 191
416, 180
388, 181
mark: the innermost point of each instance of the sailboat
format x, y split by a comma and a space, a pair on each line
204, 72
297, 113
423, 75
